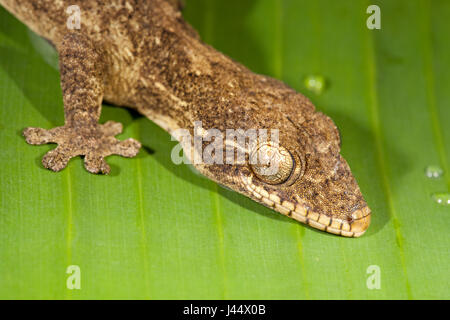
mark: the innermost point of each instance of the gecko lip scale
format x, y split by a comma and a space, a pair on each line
355, 228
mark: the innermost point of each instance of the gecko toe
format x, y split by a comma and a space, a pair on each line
112, 128
127, 148
38, 136
96, 164
56, 159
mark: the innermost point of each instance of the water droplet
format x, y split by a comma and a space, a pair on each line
315, 83
433, 172
442, 198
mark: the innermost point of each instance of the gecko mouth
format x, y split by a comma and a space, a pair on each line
360, 218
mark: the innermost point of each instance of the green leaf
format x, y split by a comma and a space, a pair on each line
156, 230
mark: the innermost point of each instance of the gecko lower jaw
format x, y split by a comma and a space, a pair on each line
354, 228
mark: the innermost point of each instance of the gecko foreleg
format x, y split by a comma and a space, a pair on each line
81, 68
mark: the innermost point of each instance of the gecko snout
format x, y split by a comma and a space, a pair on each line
361, 221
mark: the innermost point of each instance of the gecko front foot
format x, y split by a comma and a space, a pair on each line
93, 142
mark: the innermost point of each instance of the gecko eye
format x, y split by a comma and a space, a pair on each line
272, 164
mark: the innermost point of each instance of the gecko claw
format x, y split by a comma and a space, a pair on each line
94, 142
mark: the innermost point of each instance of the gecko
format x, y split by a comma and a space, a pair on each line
142, 54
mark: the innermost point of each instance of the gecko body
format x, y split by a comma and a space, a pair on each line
143, 55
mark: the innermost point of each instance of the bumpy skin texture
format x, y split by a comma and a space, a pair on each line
143, 55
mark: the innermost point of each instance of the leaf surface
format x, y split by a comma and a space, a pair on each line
156, 230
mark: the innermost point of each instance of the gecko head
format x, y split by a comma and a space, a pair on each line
305, 177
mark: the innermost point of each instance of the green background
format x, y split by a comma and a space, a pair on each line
156, 230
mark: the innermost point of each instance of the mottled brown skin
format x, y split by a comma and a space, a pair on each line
143, 55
